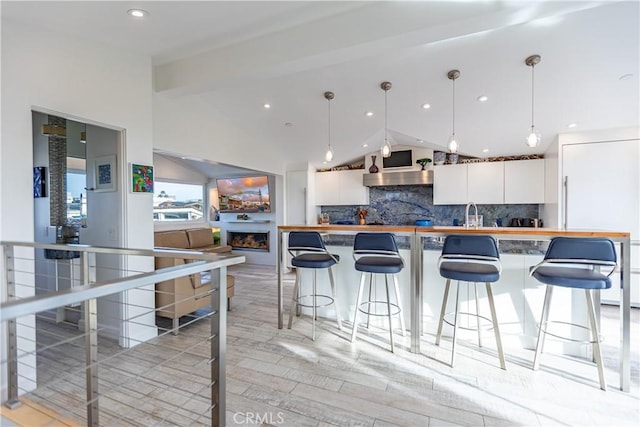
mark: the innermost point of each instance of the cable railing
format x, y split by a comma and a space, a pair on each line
85, 338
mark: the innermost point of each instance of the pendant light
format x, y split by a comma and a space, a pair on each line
329, 154
533, 139
385, 150
453, 142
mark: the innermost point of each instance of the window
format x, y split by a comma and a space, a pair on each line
174, 201
76, 195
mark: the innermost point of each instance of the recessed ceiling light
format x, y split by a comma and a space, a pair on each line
368, 113
324, 162
426, 106
482, 98
486, 150
571, 125
267, 106
420, 140
138, 13
625, 76
365, 145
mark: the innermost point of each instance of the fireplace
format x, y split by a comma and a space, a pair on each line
249, 240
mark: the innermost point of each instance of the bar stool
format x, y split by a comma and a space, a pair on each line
377, 253
470, 258
308, 251
578, 262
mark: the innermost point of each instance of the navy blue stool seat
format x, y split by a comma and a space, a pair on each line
575, 262
308, 251
377, 253
470, 258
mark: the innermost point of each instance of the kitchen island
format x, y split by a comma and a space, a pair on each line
421, 253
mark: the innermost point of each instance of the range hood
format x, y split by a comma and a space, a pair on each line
398, 178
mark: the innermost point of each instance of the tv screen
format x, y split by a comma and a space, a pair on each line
247, 194
397, 159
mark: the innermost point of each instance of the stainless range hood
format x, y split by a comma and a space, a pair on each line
398, 178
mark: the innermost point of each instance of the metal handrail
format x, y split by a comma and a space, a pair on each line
88, 294
162, 253
34, 304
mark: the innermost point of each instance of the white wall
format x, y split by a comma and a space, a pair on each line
82, 81
167, 170
188, 125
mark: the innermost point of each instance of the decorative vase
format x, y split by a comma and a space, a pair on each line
439, 157
362, 221
373, 168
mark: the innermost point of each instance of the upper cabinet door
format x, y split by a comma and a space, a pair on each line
327, 189
485, 183
524, 181
341, 188
450, 185
352, 191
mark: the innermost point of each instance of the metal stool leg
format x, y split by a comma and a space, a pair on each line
443, 310
401, 314
496, 328
358, 300
386, 286
543, 325
294, 298
315, 309
475, 292
370, 298
596, 340
455, 324
335, 299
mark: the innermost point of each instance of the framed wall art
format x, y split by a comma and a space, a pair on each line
39, 181
105, 173
141, 178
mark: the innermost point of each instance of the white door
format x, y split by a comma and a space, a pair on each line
602, 192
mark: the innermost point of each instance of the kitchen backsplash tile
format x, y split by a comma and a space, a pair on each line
401, 205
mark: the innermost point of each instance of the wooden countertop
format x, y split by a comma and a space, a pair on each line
528, 231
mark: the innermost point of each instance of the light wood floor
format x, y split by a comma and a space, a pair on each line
282, 377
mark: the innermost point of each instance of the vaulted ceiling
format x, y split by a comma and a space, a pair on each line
239, 55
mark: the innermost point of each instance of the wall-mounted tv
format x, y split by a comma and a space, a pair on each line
398, 159
247, 194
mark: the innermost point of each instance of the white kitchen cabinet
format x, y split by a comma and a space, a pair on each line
485, 183
450, 185
341, 188
489, 183
524, 181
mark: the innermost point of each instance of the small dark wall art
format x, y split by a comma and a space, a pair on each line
141, 178
39, 181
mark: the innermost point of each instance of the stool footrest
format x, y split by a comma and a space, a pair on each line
489, 328
565, 338
323, 297
395, 308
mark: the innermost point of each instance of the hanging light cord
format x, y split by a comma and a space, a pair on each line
329, 101
532, 92
453, 115
385, 115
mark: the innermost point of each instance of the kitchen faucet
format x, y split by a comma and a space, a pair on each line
467, 224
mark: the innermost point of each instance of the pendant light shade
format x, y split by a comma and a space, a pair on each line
329, 154
385, 150
533, 138
453, 142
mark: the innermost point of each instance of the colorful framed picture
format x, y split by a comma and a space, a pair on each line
141, 178
105, 173
39, 181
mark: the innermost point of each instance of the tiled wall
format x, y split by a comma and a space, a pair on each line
58, 174
400, 205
